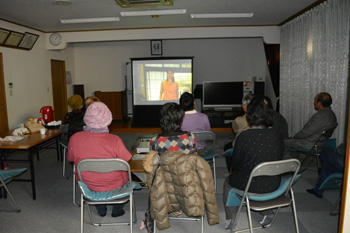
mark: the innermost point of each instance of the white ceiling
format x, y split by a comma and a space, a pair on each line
44, 15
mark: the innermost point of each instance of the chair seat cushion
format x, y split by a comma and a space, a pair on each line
228, 153
8, 174
233, 200
121, 192
208, 154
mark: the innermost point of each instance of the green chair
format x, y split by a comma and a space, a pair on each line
118, 196
5, 177
209, 153
333, 181
282, 197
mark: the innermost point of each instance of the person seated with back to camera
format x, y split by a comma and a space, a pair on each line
279, 122
239, 124
181, 171
77, 123
260, 143
95, 142
193, 121
76, 103
172, 137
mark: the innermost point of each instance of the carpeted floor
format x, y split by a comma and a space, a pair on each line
53, 210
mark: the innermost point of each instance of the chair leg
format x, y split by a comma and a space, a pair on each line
81, 214
332, 211
10, 195
134, 210
294, 212
90, 216
37, 153
64, 163
236, 218
131, 211
154, 226
202, 224
319, 164
74, 189
306, 167
249, 216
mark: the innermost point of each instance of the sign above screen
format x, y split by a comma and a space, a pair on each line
160, 80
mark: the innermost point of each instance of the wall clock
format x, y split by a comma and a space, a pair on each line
55, 39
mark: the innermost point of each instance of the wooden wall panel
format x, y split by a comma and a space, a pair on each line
114, 102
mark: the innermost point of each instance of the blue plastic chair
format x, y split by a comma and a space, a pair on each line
209, 153
333, 181
282, 197
5, 177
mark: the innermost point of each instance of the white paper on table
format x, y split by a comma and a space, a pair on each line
13, 138
138, 156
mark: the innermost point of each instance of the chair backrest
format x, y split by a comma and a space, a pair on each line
275, 168
325, 134
205, 136
328, 133
103, 166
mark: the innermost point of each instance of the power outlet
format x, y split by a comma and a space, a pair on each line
10, 92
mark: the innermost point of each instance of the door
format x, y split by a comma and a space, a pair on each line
59, 89
4, 126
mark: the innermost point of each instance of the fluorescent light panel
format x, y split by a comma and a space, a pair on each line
222, 15
90, 20
155, 12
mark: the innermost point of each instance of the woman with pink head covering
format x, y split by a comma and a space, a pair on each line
95, 142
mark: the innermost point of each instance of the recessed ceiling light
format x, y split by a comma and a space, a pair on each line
90, 20
222, 15
155, 12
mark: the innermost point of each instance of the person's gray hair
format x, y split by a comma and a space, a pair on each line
247, 98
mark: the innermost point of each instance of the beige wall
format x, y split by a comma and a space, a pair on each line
102, 66
30, 74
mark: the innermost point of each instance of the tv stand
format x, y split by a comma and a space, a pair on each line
222, 117
222, 109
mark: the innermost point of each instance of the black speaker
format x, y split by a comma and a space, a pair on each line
259, 88
198, 91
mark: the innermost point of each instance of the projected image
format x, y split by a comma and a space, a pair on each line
158, 81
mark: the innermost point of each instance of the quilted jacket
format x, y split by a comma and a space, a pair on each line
183, 182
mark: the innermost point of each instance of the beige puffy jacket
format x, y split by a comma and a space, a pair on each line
183, 182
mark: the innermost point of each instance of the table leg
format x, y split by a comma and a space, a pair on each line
31, 165
2, 166
37, 153
58, 149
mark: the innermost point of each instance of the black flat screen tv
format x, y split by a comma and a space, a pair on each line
222, 94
